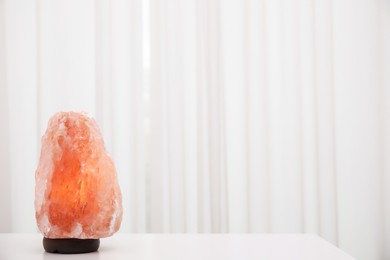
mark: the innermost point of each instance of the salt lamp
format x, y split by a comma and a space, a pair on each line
77, 196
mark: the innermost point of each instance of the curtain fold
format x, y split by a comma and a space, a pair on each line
385, 106
221, 116
324, 96
5, 179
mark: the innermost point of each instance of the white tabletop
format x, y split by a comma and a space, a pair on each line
184, 247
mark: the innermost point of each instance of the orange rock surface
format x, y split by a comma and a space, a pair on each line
76, 194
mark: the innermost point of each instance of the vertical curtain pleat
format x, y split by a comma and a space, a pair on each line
308, 109
257, 105
275, 75
385, 101
121, 85
128, 110
324, 96
290, 186
234, 85
5, 177
213, 192
190, 123
159, 153
204, 12
173, 89
103, 68
357, 128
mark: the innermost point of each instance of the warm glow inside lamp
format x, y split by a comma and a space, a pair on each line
77, 196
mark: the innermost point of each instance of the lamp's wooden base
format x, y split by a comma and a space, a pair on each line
70, 245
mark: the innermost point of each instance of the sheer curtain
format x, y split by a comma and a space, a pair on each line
222, 116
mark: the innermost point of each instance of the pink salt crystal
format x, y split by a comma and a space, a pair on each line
76, 194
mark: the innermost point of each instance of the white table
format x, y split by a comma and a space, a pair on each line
184, 247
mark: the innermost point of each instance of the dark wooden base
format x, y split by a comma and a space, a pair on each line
70, 245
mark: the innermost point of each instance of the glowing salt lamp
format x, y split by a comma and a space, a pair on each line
77, 196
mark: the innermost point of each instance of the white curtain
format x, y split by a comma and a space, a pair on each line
221, 116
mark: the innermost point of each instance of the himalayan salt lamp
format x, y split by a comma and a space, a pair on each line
77, 196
